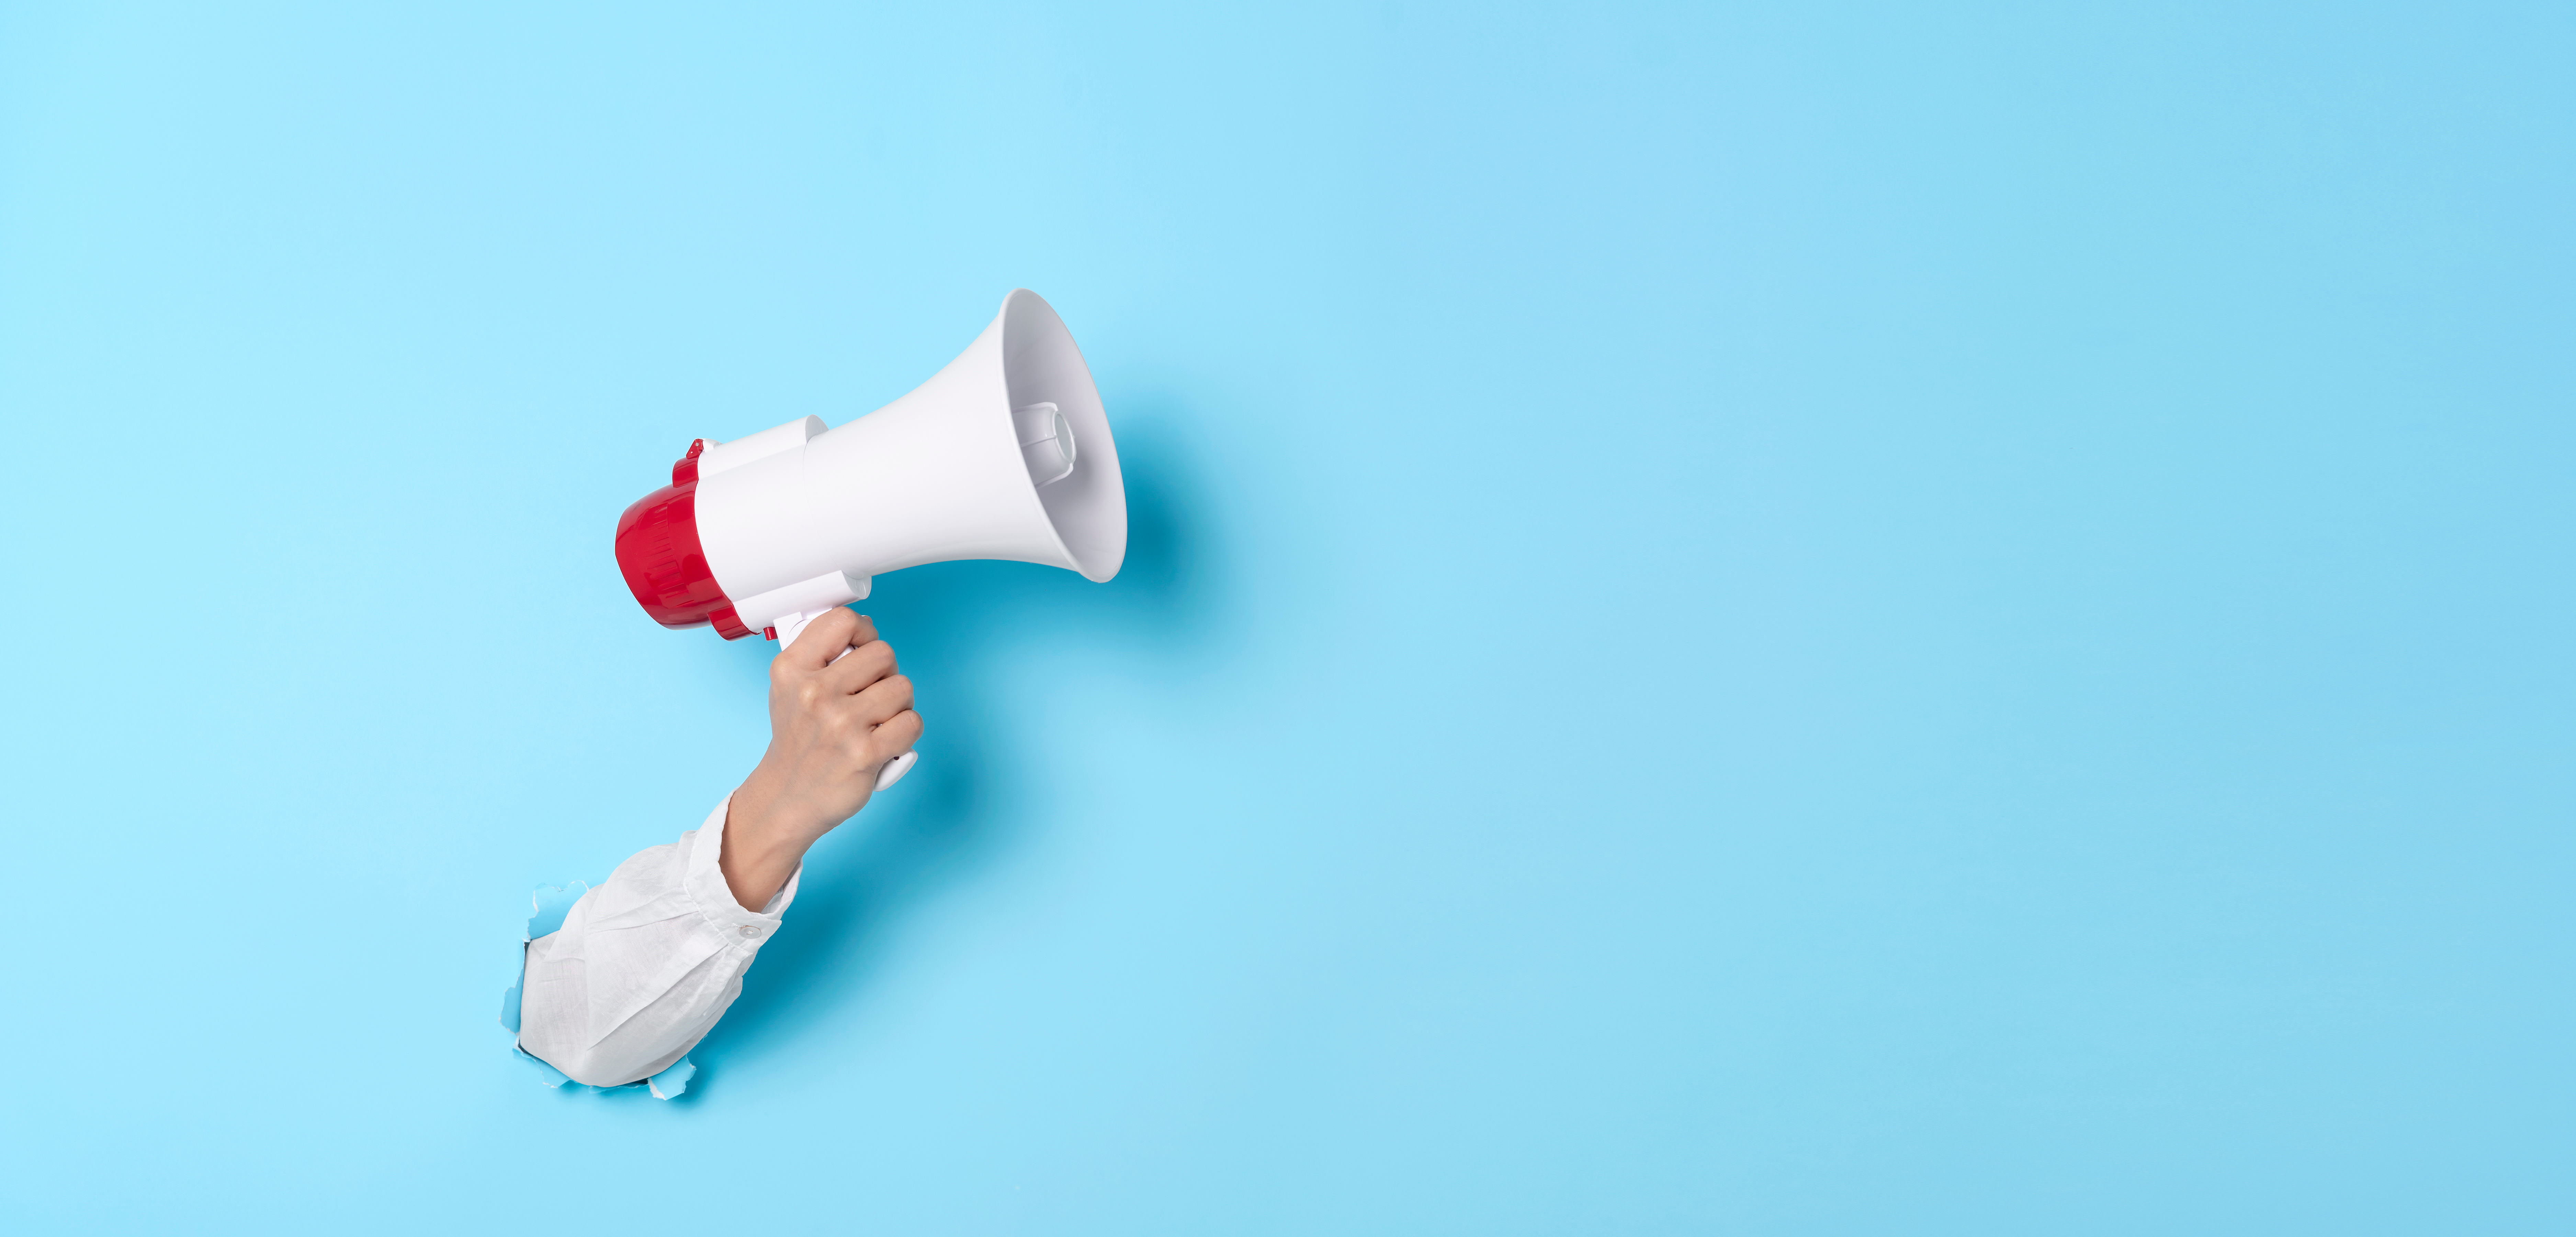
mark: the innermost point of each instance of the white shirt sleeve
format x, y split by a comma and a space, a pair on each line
644, 964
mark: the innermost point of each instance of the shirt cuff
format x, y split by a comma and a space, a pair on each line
705, 882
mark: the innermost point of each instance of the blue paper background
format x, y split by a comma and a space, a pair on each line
1756, 618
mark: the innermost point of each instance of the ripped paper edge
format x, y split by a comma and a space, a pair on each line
550, 903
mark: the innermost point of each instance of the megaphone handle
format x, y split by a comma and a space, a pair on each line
788, 627
895, 769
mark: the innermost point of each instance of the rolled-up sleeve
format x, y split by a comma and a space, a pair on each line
645, 963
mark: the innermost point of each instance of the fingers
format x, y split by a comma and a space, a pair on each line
884, 700
897, 735
863, 666
824, 638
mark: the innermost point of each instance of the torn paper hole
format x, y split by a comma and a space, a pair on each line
551, 903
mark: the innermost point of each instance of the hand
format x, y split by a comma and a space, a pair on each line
832, 725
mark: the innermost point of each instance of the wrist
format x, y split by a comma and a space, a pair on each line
762, 843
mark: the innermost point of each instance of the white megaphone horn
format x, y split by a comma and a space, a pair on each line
1003, 454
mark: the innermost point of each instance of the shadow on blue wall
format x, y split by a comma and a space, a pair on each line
965, 803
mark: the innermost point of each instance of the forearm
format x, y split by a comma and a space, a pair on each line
645, 964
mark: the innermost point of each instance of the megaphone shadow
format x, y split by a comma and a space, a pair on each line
956, 811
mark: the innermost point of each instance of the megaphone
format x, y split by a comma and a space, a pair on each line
1004, 454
